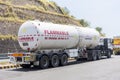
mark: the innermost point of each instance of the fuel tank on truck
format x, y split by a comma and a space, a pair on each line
36, 35
89, 37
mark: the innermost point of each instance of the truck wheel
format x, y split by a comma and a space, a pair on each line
109, 54
99, 56
78, 59
64, 60
55, 61
44, 62
25, 65
94, 57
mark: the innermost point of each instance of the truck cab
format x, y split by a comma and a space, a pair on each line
106, 44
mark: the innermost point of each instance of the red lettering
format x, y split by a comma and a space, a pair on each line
24, 39
55, 32
46, 31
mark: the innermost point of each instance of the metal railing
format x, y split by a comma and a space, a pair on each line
3, 55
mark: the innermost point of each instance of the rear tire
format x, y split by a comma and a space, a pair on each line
44, 62
64, 60
78, 59
99, 56
55, 61
25, 65
94, 56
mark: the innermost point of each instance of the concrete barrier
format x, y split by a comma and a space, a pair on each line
3, 55
9, 66
4, 64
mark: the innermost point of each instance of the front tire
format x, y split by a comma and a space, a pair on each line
108, 54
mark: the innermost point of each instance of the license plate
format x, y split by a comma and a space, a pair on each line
27, 58
12, 59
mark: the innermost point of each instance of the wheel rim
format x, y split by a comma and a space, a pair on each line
44, 62
109, 55
55, 61
99, 56
64, 60
94, 57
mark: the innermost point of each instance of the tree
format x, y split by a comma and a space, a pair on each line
99, 29
65, 10
84, 23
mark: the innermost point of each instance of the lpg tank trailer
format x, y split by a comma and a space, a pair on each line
47, 44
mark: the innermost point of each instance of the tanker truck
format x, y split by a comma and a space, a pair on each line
46, 44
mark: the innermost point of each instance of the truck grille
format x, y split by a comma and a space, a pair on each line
19, 59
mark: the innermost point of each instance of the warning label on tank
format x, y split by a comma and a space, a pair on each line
26, 39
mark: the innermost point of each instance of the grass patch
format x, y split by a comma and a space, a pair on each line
44, 3
33, 7
23, 15
52, 4
10, 15
4, 63
4, 37
12, 19
37, 9
5, 2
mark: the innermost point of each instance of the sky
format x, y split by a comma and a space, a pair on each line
99, 13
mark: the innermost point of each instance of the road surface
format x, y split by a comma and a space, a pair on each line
105, 69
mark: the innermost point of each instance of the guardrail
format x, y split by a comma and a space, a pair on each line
3, 55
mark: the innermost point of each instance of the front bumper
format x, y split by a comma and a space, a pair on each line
19, 60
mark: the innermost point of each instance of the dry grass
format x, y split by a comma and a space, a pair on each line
12, 19
12, 16
32, 7
4, 63
5, 2
52, 4
4, 37
39, 10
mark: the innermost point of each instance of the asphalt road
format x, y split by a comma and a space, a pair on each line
105, 69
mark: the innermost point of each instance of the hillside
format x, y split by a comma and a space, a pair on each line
14, 12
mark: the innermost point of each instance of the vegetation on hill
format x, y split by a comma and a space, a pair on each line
84, 23
10, 8
14, 12
99, 29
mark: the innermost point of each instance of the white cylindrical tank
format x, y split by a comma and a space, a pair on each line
34, 35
